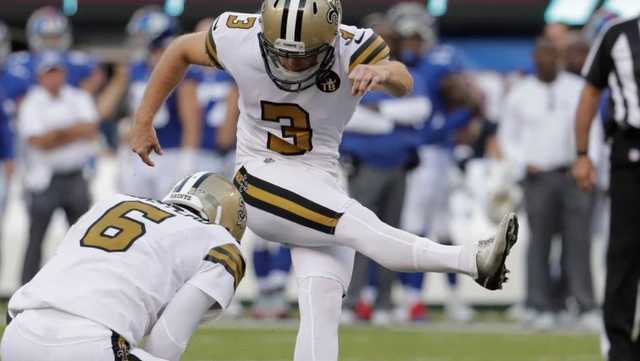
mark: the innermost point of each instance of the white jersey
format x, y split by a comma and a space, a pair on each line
306, 126
124, 260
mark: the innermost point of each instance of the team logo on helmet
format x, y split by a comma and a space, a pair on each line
242, 215
333, 15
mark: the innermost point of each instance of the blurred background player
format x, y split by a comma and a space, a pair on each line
49, 30
272, 266
379, 146
533, 140
8, 95
178, 123
426, 204
58, 125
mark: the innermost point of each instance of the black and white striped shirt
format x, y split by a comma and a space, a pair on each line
614, 62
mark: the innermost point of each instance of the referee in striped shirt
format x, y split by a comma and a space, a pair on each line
614, 63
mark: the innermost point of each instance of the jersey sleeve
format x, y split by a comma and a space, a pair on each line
210, 44
362, 46
220, 273
599, 63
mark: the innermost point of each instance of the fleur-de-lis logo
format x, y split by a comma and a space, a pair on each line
335, 11
242, 214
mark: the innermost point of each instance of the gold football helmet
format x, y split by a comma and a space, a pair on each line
214, 199
297, 40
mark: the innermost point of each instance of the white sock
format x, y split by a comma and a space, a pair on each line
397, 250
320, 302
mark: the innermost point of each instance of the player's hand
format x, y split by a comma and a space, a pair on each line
368, 77
584, 173
143, 141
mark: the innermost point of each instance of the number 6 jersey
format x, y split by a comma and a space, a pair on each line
307, 125
124, 260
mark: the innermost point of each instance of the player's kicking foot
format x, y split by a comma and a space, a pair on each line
492, 254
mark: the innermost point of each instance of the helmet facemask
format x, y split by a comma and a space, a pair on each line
321, 60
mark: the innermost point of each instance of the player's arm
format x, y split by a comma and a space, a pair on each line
61, 137
108, 100
171, 333
215, 283
370, 68
226, 135
182, 52
583, 169
389, 76
597, 68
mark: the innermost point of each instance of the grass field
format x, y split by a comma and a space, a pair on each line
248, 341
396, 344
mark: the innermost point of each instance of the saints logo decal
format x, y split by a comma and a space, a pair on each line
335, 9
328, 82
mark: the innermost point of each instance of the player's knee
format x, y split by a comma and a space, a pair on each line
320, 296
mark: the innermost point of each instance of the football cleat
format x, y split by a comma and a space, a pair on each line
492, 254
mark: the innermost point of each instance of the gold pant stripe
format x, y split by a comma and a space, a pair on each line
284, 203
292, 207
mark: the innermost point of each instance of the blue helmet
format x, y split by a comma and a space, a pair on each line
48, 29
151, 28
410, 19
5, 42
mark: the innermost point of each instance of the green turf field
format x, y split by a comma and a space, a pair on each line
274, 342
373, 344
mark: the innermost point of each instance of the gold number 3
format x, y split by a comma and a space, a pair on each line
299, 130
234, 23
116, 232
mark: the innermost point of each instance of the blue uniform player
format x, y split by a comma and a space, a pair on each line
49, 29
426, 206
177, 123
12, 82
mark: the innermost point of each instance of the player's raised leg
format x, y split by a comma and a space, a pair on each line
307, 207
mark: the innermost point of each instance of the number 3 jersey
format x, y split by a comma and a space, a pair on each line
307, 125
124, 260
